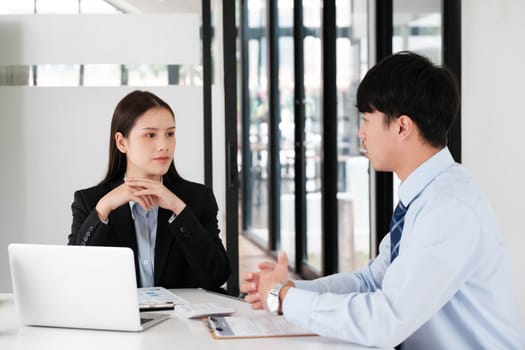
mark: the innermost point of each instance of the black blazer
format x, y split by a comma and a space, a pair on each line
188, 252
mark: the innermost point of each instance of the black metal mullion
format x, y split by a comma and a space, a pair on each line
206, 67
452, 59
230, 113
383, 199
384, 28
274, 164
329, 166
299, 135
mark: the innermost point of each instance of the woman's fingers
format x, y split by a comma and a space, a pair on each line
160, 195
142, 202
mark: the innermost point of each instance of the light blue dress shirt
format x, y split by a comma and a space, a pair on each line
146, 231
449, 288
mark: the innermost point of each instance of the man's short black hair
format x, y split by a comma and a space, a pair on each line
409, 84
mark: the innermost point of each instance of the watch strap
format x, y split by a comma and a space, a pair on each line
274, 294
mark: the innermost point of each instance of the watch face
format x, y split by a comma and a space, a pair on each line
272, 303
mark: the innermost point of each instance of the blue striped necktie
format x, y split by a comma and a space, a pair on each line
396, 227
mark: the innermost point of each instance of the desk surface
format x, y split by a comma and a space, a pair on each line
174, 333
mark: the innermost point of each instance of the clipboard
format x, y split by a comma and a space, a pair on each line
260, 326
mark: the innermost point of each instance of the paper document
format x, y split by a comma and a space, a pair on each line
158, 298
254, 327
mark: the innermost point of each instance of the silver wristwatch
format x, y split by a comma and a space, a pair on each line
272, 300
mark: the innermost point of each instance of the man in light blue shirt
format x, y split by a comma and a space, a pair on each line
442, 279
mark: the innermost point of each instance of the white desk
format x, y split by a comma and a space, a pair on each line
174, 333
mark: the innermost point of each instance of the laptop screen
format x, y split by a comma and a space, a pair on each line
75, 286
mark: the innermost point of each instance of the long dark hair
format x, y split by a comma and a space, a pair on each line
128, 110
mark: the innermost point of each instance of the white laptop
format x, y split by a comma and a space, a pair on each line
77, 287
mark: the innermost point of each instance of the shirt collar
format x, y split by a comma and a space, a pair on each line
133, 203
423, 175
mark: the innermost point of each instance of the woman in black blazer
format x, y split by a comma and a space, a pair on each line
144, 204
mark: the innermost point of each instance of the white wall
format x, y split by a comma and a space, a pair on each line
54, 140
493, 120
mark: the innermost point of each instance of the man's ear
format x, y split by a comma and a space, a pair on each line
406, 125
120, 142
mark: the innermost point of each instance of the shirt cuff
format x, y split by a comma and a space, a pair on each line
105, 222
172, 217
297, 306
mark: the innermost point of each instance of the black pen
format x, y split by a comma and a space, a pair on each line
216, 324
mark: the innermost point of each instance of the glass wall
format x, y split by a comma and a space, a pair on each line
85, 73
256, 171
418, 28
352, 168
313, 130
286, 128
353, 178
